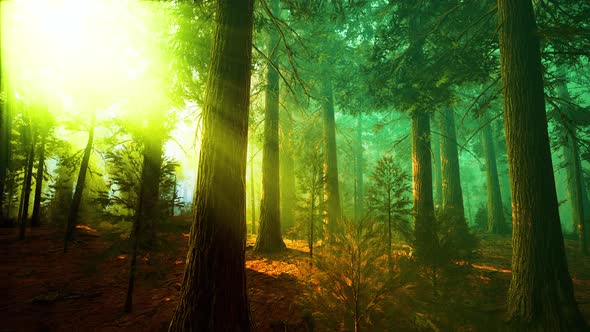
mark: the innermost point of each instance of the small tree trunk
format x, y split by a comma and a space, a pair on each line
35, 219
496, 221
150, 182
252, 197
269, 236
541, 295
77, 199
134, 237
24, 214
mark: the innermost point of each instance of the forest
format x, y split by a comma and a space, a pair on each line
295, 165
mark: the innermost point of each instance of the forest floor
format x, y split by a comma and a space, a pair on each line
44, 289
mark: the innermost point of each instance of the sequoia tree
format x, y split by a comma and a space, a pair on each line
541, 295
213, 296
496, 221
269, 235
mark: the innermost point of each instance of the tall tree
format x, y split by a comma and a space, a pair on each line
80, 184
331, 191
26, 191
35, 218
541, 295
269, 235
496, 220
213, 294
359, 163
287, 171
452, 195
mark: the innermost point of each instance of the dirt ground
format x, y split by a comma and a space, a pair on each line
43, 289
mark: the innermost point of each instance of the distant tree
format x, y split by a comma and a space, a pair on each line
389, 199
269, 235
80, 184
213, 296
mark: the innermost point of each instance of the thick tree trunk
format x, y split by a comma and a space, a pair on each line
288, 189
541, 296
80, 183
496, 220
359, 192
35, 219
269, 235
422, 184
24, 213
213, 295
331, 191
452, 195
151, 209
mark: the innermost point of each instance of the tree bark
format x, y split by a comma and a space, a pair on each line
80, 183
151, 208
452, 195
269, 235
213, 295
496, 221
35, 219
540, 297
423, 209
331, 191
436, 171
24, 213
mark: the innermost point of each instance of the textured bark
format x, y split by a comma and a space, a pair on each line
288, 189
213, 296
269, 237
422, 183
496, 220
452, 195
540, 297
151, 208
24, 207
35, 219
80, 184
359, 192
253, 197
331, 191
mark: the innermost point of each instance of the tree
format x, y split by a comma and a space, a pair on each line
213, 294
26, 191
269, 235
452, 195
388, 198
495, 209
541, 295
80, 183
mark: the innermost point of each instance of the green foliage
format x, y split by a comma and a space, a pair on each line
352, 281
388, 197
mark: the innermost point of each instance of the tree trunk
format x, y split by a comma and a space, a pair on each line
422, 184
541, 293
150, 182
496, 221
331, 192
269, 235
35, 219
5, 137
359, 197
288, 189
213, 295
452, 195
135, 235
24, 213
253, 196
436, 171
77, 199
